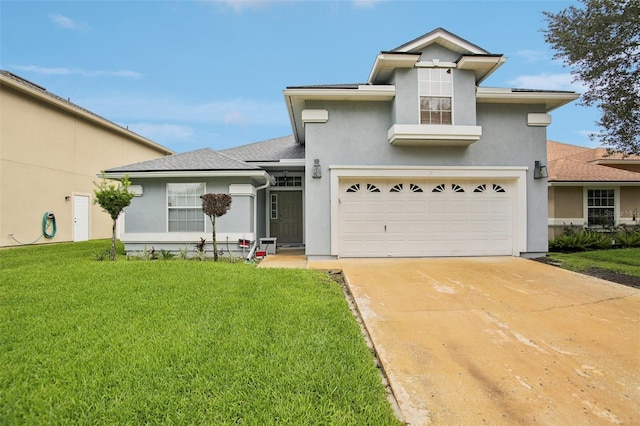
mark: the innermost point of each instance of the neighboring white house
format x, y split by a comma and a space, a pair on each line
418, 160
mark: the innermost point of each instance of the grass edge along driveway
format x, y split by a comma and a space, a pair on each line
620, 261
177, 342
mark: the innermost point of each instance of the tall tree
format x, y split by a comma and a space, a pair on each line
215, 205
601, 44
113, 198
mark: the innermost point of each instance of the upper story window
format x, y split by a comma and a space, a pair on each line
185, 207
435, 87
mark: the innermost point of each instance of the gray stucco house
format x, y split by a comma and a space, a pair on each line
418, 161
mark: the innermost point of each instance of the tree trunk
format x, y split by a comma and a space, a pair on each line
112, 255
215, 244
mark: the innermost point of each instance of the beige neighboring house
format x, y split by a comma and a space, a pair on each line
51, 152
587, 187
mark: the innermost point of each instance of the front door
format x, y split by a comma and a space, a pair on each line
80, 218
286, 216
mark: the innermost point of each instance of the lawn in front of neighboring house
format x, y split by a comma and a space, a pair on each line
625, 262
177, 342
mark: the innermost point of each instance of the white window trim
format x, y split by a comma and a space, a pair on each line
453, 106
616, 203
166, 206
273, 202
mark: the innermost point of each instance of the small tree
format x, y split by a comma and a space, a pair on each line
215, 205
113, 198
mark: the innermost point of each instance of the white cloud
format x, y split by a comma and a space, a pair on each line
163, 133
77, 71
534, 55
563, 81
67, 23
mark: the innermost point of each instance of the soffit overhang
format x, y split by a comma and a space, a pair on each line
387, 62
482, 65
550, 99
296, 99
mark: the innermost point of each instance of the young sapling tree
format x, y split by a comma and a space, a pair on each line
113, 198
215, 205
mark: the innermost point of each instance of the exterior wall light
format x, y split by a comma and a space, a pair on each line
316, 172
540, 171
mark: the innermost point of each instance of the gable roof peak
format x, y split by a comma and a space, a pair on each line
444, 38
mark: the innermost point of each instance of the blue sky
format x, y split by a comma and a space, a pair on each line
194, 74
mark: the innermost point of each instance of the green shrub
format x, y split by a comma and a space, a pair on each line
628, 238
582, 240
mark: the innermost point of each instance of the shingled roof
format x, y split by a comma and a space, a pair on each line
198, 160
571, 163
266, 151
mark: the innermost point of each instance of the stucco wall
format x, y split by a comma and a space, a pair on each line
356, 134
630, 202
48, 154
148, 213
568, 202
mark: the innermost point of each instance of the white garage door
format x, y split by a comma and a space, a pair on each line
425, 218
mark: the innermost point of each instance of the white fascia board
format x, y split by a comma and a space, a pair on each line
385, 63
483, 66
293, 161
298, 162
551, 100
188, 173
450, 41
364, 92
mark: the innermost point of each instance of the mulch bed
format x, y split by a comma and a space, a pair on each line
601, 273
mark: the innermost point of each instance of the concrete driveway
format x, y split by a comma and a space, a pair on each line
501, 340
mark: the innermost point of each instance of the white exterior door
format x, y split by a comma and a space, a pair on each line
401, 218
80, 218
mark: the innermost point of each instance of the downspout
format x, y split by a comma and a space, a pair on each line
267, 183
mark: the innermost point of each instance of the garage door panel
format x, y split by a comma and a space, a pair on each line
437, 218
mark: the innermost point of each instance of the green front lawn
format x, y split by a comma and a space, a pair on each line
177, 342
621, 261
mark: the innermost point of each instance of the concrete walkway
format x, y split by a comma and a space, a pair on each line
498, 340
